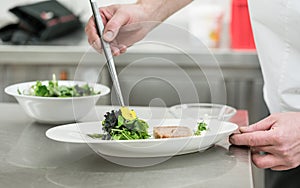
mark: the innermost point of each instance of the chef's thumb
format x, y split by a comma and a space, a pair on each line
109, 35
113, 26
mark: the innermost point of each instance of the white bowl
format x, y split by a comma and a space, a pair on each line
203, 111
55, 110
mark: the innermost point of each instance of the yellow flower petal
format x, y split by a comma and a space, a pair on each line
128, 114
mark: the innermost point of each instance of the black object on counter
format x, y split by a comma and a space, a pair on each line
40, 21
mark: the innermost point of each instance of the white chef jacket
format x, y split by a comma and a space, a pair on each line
276, 28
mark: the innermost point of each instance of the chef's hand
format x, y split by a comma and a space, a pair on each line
114, 17
278, 136
127, 24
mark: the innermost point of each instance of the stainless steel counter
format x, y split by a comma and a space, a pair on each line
29, 159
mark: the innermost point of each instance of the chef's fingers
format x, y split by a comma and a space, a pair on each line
280, 168
115, 51
264, 124
122, 48
113, 25
106, 13
258, 138
273, 162
91, 31
266, 161
118, 49
267, 149
97, 46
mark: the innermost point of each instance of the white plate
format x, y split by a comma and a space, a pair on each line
77, 133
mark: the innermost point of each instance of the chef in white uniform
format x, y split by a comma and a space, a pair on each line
276, 29
276, 26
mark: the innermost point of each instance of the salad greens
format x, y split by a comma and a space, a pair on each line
201, 127
55, 90
123, 124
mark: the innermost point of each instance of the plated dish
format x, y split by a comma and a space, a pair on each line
55, 89
79, 133
56, 110
123, 124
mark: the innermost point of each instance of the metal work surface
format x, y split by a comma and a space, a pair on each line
30, 159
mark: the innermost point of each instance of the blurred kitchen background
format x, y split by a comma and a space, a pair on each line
237, 59
229, 40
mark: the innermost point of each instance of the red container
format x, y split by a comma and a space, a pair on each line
240, 27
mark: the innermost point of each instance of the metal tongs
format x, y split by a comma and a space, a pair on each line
107, 52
